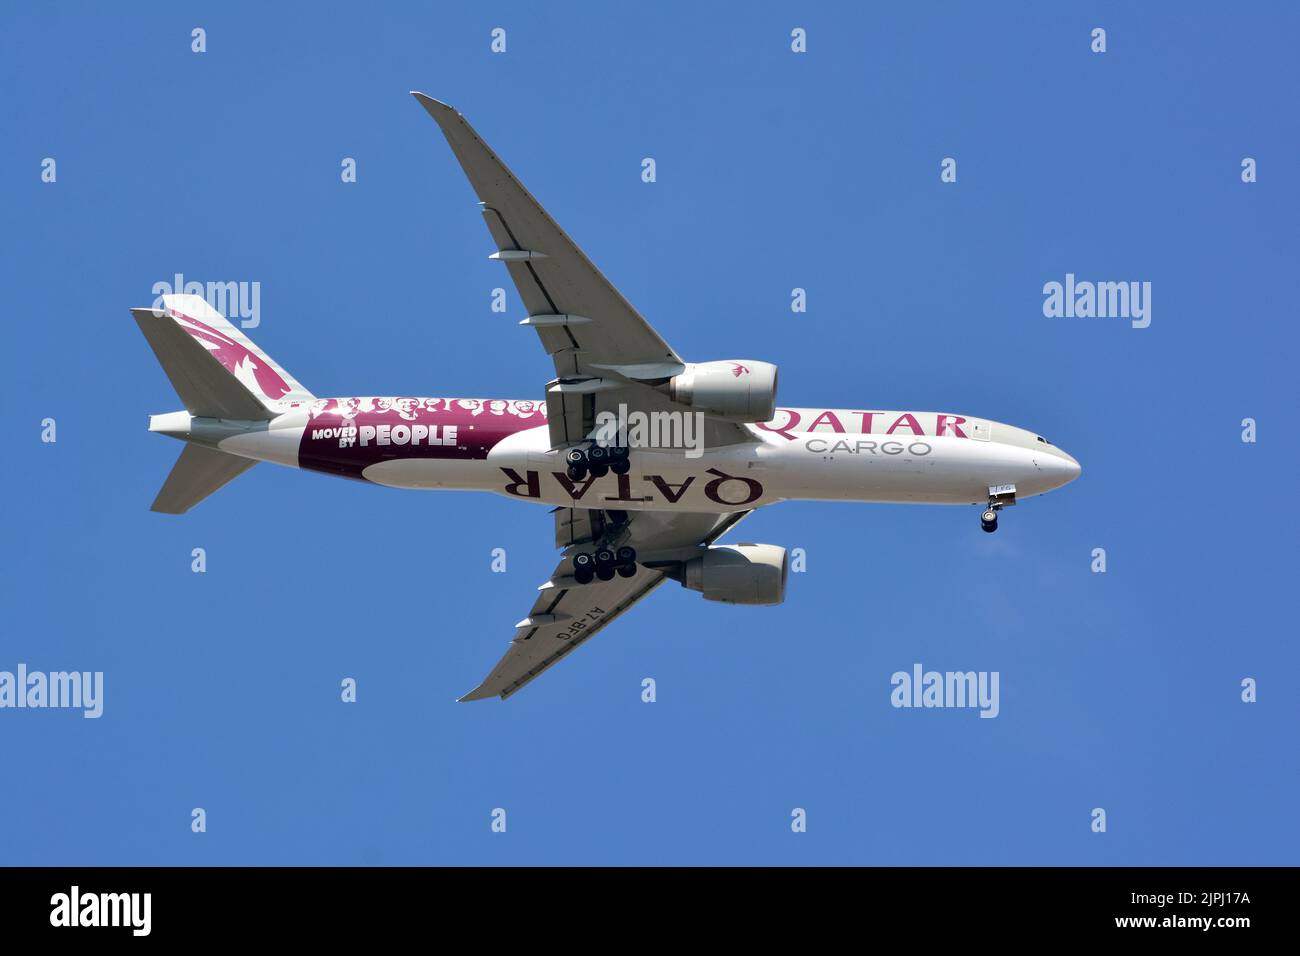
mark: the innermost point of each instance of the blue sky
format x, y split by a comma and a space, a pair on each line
775, 170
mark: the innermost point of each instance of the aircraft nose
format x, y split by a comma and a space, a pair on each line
1069, 467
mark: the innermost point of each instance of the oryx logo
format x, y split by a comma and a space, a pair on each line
236, 357
738, 370
103, 909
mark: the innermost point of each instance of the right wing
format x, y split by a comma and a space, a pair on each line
606, 354
581, 318
566, 614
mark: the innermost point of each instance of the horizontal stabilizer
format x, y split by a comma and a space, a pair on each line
197, 473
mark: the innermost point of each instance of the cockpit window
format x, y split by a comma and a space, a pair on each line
1042, 439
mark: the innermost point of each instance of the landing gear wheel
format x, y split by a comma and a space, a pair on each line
989, 521
599, 471
625, 561
605, 561
598, 455
584, 568
621, 467
576, 464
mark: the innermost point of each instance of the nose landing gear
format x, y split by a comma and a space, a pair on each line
1000, 496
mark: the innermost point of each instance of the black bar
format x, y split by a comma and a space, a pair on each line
528, 905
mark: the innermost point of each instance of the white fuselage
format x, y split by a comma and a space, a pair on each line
819, 454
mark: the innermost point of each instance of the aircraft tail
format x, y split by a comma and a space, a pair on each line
216, 370
218, 373
197, 473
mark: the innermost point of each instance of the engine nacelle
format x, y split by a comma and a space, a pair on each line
738, 573
742, 391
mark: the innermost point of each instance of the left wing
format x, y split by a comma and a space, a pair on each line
567, 613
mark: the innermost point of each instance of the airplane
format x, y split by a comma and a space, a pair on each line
647, 459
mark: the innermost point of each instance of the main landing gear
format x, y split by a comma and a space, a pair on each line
597, 460
604, 563
989, 520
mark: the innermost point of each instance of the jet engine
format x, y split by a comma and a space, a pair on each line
738, 573
742, 391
